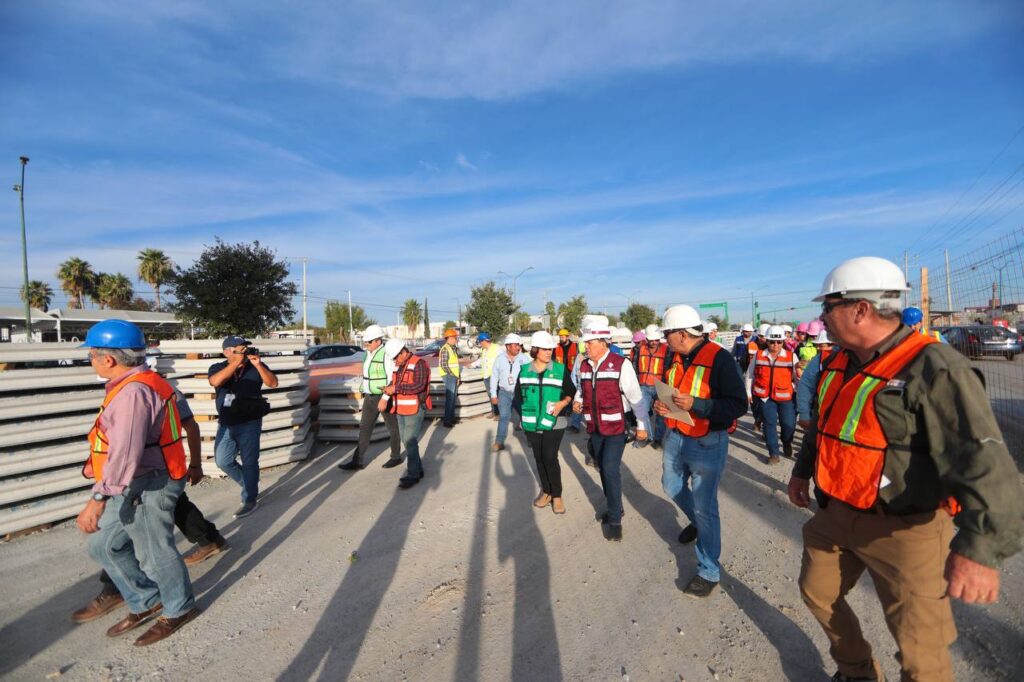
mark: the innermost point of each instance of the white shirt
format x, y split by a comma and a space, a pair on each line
505, 372
629, 385
389, 369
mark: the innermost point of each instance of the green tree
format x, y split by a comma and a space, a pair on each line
141, 304
552, 313
155, 268
450, 324
412, 314
489, 309
77, 279
638, 316
572, 312
235, 289
426, 319
336, 319
719, 320
39, 295
522, 321
113, 290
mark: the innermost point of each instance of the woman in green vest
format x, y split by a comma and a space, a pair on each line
545, 390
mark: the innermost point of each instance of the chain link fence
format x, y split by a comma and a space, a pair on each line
976, 299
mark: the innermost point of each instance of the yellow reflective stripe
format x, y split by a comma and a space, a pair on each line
857, 409
172, 415
698, 381
823, 389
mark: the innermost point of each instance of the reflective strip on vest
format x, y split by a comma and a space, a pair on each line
695, 381
378, 377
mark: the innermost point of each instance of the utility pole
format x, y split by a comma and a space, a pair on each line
949, 291
906, 276
351, 334
20, 189
304, 299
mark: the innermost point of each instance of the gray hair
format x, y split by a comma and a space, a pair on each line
126, 357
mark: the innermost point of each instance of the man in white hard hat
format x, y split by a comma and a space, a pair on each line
740, 350
707, 386
772, 380
377, 371
502, 386
409, 396
903, 446
650, 362
807, 386
604, 379
711, 332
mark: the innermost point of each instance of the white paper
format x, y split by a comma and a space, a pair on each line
551, 407
665, 393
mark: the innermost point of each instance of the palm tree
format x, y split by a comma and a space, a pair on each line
115, 291
155, 268
39, 295
412, 314
77, 279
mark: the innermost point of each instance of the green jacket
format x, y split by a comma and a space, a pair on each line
375, 375
538, 391
943, 440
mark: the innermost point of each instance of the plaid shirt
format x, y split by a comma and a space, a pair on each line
420, 379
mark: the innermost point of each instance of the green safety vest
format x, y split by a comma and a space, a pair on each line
378, 377
806, 351
538, 391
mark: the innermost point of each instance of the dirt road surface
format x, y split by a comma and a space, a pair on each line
343, 576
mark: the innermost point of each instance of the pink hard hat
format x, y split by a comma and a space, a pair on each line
802, 327
814, 327
638, 337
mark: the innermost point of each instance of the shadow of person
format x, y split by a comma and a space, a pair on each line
591, 489
468, 665
535, 653
660, 514
339, 634
797, 653
46, 624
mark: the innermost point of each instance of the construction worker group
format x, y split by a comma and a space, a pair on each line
898, 437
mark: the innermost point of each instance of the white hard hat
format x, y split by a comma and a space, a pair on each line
513, 338
747, 327
542, 339
654, 333
786, 329
682, 317
763, 329
597, 331
822, 338
873, 279
710, 327
622, 335
776, 333
594, 321
372, 333
393, 347
650, 329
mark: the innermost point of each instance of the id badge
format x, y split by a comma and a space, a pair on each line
228, 399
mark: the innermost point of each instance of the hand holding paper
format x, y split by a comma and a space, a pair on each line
674, 401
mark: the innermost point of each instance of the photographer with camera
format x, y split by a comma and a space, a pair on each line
239, 381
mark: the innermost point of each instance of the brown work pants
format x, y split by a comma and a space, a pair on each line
905, 556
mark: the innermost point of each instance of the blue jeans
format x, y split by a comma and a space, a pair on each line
774, 414
608, 456
690, 475
657, 432
505, 400
409, 431
240, 439
135, 546
451, 389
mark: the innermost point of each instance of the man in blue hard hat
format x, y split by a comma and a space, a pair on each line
239, 381
137, 457
914, 318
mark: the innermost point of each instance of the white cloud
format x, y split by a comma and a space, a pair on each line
462, 162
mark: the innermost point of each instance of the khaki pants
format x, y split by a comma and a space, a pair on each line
905, 556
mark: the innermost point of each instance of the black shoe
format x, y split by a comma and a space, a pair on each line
656, 444
699, 587
405, 482
688, 535
613, 532
787, 450
447, 425
391, 463
839, 677
351, 465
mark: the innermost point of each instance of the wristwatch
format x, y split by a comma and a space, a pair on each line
100, 497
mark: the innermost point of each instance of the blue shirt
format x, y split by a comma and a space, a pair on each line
505, 372
808, 386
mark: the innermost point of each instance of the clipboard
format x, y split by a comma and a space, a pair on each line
665, 393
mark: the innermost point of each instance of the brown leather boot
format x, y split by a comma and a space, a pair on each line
134, 620
165, 627
542, 501
204, 552
104, 603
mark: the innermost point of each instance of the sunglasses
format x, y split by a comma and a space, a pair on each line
771, 342
829, 306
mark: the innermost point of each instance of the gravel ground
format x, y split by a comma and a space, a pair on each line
342, 576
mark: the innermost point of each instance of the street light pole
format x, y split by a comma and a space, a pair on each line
514, 279
458, 313
20, 189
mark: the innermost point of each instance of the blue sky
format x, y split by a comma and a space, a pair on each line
668, 151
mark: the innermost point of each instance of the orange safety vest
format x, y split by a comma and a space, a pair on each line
651, 366
566, 355
170, 434
773, 378
407, 404
696, 381
851, 442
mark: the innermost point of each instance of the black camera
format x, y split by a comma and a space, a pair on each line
252, 350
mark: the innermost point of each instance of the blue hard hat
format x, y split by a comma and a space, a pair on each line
912, 315
114, 334
483, 336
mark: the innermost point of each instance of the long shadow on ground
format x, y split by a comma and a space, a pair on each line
339, 635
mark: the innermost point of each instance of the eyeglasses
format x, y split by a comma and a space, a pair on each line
828, 306
770, 342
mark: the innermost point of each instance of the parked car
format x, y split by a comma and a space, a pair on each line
334, 352
431, 349
979, 340
333, 361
